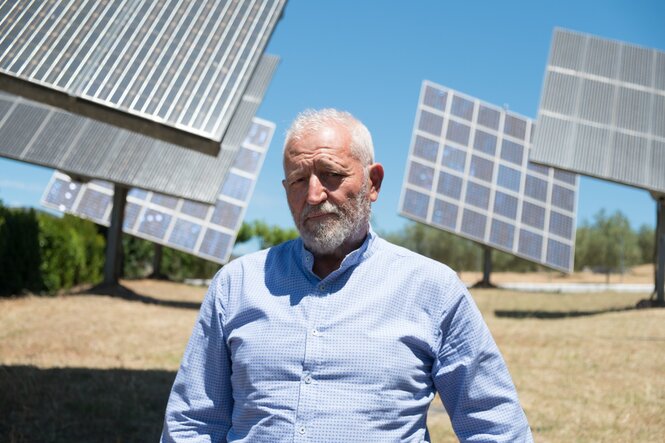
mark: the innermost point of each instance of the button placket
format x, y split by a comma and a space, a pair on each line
308, 391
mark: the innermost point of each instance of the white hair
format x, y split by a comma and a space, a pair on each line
313, 120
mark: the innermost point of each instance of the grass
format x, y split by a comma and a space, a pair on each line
82, 368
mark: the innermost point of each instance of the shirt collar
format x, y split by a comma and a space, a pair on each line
353, 258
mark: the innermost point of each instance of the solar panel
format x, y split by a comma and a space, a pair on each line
468, 173
207, 231
602, 111
84, 147
172, 69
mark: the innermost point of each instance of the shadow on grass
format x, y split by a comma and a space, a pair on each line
125, 293
81, 404
553, 315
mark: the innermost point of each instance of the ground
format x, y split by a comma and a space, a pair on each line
85, 367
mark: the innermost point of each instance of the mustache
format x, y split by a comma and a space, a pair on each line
323, 208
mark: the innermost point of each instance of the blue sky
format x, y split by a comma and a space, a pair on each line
369, 57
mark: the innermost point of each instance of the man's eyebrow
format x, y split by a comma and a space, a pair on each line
330, 163
294, 172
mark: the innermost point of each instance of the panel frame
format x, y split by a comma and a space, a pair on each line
569, 135
478, 157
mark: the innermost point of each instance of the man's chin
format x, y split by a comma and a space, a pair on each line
317, 227
320, 244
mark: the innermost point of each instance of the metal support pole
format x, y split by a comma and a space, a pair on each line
487, 269
157, 263
113, 263
487, 266
660, 252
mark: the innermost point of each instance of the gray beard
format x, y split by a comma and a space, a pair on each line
326, 237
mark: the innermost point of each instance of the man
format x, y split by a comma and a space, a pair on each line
338, 336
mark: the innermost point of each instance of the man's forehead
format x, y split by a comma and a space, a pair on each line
331, 135
328, 140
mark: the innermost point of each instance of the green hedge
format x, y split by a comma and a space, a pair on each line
42, 253
72, 252
20, 256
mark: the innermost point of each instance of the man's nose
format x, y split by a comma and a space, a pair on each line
316, 193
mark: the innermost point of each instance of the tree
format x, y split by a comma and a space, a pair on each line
646, 240
272, 235
607, 245
458, 253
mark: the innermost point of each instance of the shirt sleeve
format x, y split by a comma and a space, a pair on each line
472, 378
201, 401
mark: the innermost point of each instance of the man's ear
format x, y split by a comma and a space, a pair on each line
284, 184
375, 179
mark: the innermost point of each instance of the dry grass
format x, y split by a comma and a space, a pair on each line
638, 274
83, 367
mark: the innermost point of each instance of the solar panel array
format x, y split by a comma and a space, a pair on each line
180, 66
207, 231
602, 111
468, 173
84, 147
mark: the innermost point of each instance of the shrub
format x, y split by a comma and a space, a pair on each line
42, 253
19, 251
72, 252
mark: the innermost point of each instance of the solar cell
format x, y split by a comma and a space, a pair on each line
173, 69
450, 184
602, 111
415, 204
444, 214
502, 233
154, 223
477, 195
95, 205
184, 234
468, 173
207, 231
63, 194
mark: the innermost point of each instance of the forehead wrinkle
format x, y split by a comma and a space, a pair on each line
326, 147
327, 157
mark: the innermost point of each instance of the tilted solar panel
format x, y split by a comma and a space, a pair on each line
84, 147
207, 231
171, 69
602, 110
468, 173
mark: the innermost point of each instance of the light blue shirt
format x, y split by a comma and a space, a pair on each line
279, 355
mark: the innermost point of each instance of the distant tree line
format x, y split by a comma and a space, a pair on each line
607, 244
43, 253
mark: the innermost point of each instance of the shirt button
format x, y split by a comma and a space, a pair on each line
308, 379
322, 287
315, 332
301, 430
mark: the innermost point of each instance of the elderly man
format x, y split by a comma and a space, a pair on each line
338, 336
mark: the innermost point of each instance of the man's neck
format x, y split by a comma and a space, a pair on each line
325, 264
